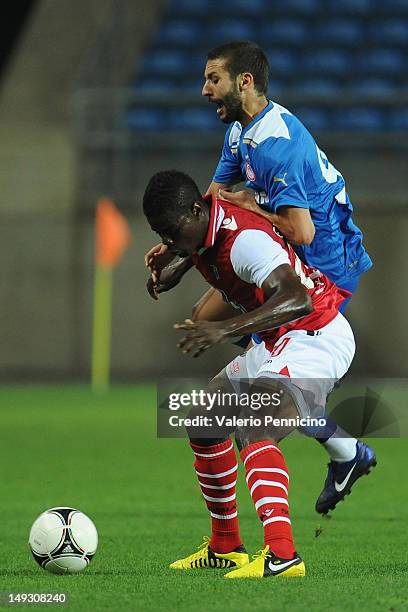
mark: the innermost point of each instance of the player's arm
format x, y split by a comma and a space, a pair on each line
259, 260
287, 300
294, 223
215, 187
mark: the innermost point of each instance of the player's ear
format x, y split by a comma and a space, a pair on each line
245, 80
196, 209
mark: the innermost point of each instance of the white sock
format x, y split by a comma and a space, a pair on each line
341, 449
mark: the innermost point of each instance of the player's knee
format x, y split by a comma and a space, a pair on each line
246, 435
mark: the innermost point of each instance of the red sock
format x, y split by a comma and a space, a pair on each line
267, 478
216, 467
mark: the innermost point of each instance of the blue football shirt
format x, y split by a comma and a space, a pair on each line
279, 159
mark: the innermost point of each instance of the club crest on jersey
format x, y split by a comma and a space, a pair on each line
250, 174
230, 223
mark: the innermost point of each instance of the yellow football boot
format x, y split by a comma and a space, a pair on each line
267, 564
207, 558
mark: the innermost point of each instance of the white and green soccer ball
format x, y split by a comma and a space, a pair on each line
63, 540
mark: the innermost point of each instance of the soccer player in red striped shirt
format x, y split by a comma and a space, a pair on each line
295, 311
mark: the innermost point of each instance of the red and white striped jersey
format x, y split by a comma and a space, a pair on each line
241, 249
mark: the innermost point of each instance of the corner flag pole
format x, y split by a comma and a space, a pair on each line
112, 236
102, 327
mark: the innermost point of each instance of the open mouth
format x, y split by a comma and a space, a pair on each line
220, 106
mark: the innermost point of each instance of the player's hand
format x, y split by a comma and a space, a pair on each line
243, 199
200, 336
158, 258
161, 282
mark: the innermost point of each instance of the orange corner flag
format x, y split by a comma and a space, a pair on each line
112, 234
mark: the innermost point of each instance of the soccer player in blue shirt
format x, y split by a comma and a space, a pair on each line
299, 191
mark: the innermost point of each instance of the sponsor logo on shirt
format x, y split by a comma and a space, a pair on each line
279, 179
250, 174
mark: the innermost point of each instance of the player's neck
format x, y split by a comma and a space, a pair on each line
252, 108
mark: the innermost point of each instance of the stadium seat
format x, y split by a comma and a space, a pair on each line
398, 119
250, 7
275, 87
146, 119
194, 119
317, 87
281, 62
308, 7
392, 31
165, 62
154, 86
327, 61
352, 7
193, 86
344, 32
283, 31
372, 87
393, 6
180, 32
191, 7
358, 119
315, 119
231, 29
382, 62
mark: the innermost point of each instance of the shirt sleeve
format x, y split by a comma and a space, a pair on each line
254, 255
228, 170
283, 172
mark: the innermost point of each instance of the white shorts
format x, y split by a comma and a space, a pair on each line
312, 362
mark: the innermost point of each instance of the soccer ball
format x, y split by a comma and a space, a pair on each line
63, 540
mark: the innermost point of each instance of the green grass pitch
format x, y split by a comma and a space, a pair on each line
68, 446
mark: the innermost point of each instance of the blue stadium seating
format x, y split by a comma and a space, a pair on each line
283, 31
146, 119
194, 119
358, 119
390, 31
352, 7
301, 7
165, 62
398, 119
249, 7
282, 62
382, 62
191, 7
372, 87
180, 32
154, 86
314, 119
339, 31
230, 29
194, 86
327, 61
393, 6
317, 87
316, 48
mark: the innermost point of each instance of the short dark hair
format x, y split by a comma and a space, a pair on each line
168, 199
244, 56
